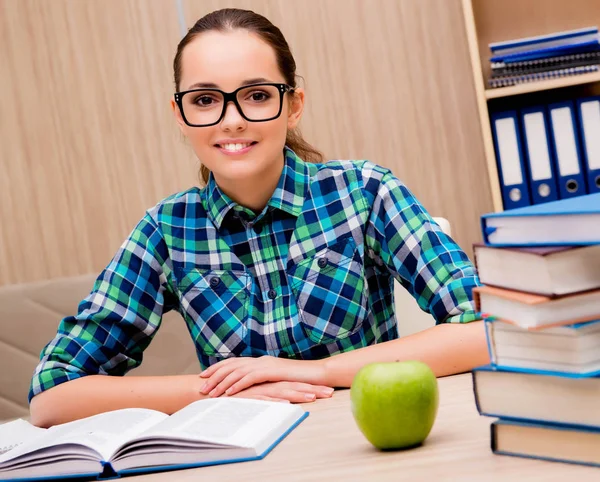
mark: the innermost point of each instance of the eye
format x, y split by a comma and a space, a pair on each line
258, 96
204, 100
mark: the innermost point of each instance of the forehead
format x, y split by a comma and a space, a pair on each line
227, 59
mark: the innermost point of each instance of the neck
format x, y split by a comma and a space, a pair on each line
253, 193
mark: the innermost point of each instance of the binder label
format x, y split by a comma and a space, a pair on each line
509, 151
590, 113
537, 147
564, 137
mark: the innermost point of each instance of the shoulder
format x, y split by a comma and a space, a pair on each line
176, 205
363, 174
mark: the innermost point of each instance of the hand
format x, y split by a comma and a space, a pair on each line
232, 375
294, 392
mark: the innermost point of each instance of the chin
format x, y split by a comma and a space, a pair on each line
239, 168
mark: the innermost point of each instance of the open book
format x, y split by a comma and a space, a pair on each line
131, 441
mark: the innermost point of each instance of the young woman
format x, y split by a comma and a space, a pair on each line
282, 266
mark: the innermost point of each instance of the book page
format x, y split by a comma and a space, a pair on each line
227, 421
17, 432
102, 433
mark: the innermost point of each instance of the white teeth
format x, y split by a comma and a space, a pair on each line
235, 147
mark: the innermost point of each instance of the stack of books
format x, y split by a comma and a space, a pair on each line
558, 54
540, 299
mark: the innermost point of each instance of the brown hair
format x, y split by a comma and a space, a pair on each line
231, 19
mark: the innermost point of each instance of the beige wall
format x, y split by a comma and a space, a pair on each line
87, 137
88, 141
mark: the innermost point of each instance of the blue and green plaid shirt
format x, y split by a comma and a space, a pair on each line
310, 276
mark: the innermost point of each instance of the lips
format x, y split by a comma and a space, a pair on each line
235, 148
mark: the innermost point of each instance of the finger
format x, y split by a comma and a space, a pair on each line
252, 378
211, 369
274, 399
228, 381
321, 391
268, 399
219, 375
290, 394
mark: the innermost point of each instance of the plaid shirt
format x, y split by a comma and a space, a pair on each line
310, 276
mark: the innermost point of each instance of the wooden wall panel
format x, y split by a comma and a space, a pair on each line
390, 81
88, 141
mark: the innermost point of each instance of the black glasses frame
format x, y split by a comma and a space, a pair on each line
232, 97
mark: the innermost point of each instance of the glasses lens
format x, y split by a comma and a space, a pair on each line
202, 107
260, 102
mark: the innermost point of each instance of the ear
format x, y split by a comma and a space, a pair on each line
178, 118
296, 108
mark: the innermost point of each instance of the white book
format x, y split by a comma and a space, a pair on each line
549, 271
128, 441
567, 349
536, 311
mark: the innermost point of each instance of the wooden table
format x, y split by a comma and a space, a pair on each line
328, 446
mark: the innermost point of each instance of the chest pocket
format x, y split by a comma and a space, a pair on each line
330, 292
215, 305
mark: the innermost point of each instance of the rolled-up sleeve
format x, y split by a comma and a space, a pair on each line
402, 237
117, 320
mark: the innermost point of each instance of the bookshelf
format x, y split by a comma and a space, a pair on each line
488, 21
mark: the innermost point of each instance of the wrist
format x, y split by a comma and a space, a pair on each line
323, 372
194, 384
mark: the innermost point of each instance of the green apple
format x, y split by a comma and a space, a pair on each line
395, 403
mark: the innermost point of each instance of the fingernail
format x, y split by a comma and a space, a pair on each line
309, 396
203, 389
328, 391
228, 391
212, 392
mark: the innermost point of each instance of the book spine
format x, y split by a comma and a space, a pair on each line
523, 79
475, 391
493, 437
108, 472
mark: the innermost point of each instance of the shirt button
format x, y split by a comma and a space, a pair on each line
257, 229
214, 281
322, 262
272, 294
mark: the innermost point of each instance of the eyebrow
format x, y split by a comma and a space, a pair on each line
212, 85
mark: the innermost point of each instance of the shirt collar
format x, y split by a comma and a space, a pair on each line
289, 195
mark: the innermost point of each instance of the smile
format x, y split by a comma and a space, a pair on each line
235, 148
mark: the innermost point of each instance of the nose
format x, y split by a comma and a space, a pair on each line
232, 120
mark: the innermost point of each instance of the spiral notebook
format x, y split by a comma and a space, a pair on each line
523, 79
502, 69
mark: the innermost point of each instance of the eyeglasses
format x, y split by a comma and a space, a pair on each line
255, 103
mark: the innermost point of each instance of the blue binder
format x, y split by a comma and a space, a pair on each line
539, 155
588, 112
509, 157
545, 52
571, 181
567, 37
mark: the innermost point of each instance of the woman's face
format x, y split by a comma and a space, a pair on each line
227, 61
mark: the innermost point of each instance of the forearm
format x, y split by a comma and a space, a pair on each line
94, 394
447, 349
